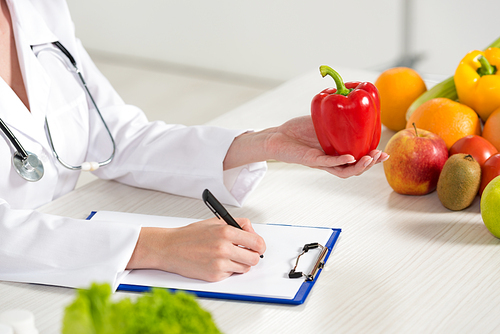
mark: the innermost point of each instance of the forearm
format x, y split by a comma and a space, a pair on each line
54, 250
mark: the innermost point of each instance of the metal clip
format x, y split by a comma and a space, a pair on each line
320, 262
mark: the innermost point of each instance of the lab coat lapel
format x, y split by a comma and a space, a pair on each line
36, 80
29, 29
33, 25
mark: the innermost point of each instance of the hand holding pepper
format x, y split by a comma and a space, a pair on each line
347, 119
295, 141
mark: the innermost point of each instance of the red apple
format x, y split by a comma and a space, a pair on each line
416, 159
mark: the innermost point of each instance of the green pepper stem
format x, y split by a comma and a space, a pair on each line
486, 68
341, 88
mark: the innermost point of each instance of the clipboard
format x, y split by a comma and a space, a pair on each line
268, 282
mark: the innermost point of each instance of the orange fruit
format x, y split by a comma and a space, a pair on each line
398, 88
491, 130
448, 119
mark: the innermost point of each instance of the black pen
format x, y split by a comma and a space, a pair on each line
219, 210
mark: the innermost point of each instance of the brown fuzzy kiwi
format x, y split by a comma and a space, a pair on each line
459, 181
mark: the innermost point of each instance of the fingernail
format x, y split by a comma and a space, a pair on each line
385, 158
368, 162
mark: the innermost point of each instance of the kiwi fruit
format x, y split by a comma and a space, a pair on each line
459, 181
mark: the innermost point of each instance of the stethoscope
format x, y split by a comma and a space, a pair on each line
27, 164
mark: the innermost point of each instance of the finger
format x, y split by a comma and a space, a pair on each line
332, 161
346, 171
248, 238
223, 269
341, 171
363, 163
238, 268
346, 159
383, 157
244, 257
375, 155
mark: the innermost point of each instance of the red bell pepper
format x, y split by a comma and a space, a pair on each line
347, 118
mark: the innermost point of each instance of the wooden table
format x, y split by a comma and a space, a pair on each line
403, 264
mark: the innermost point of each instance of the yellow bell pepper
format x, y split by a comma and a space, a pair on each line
477, 81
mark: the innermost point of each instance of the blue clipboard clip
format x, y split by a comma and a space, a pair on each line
319, 264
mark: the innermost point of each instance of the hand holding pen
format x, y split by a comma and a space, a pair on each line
218, 209
207, 249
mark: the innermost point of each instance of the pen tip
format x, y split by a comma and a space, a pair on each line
262, 256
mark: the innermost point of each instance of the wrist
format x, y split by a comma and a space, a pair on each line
247, 148
145, 255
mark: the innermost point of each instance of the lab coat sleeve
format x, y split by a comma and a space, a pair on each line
53, 250
171, 158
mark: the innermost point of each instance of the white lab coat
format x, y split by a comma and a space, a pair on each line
41, 248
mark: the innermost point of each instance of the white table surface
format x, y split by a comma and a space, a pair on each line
403, 264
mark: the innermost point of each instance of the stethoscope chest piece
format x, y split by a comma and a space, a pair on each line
29, 168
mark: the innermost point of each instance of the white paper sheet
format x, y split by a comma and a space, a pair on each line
268, 279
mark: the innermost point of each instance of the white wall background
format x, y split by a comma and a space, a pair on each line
279, 39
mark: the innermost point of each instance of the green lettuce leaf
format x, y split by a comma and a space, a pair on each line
157, 311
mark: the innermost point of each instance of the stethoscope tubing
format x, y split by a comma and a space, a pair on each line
27, 164
13, 139
77, 70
